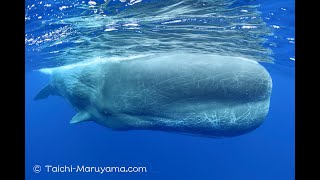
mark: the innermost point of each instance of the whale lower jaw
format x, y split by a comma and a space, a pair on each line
204, 119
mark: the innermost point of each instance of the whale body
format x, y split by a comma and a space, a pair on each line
208, 95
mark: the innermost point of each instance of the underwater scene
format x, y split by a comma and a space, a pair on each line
160, 89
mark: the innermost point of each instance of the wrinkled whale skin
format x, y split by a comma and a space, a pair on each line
208, 95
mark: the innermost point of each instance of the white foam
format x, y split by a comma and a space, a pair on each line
275, 26
130, 24
248, 27
110, 29
92, 3
172, 22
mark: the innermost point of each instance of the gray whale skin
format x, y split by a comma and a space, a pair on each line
206, 95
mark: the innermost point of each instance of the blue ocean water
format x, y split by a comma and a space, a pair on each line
64, 32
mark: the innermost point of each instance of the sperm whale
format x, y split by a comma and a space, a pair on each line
200, 94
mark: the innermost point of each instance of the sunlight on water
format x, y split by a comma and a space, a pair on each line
73, 31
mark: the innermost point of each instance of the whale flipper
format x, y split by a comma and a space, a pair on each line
81, 116
44, 93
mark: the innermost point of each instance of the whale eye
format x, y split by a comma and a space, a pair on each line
106, 113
